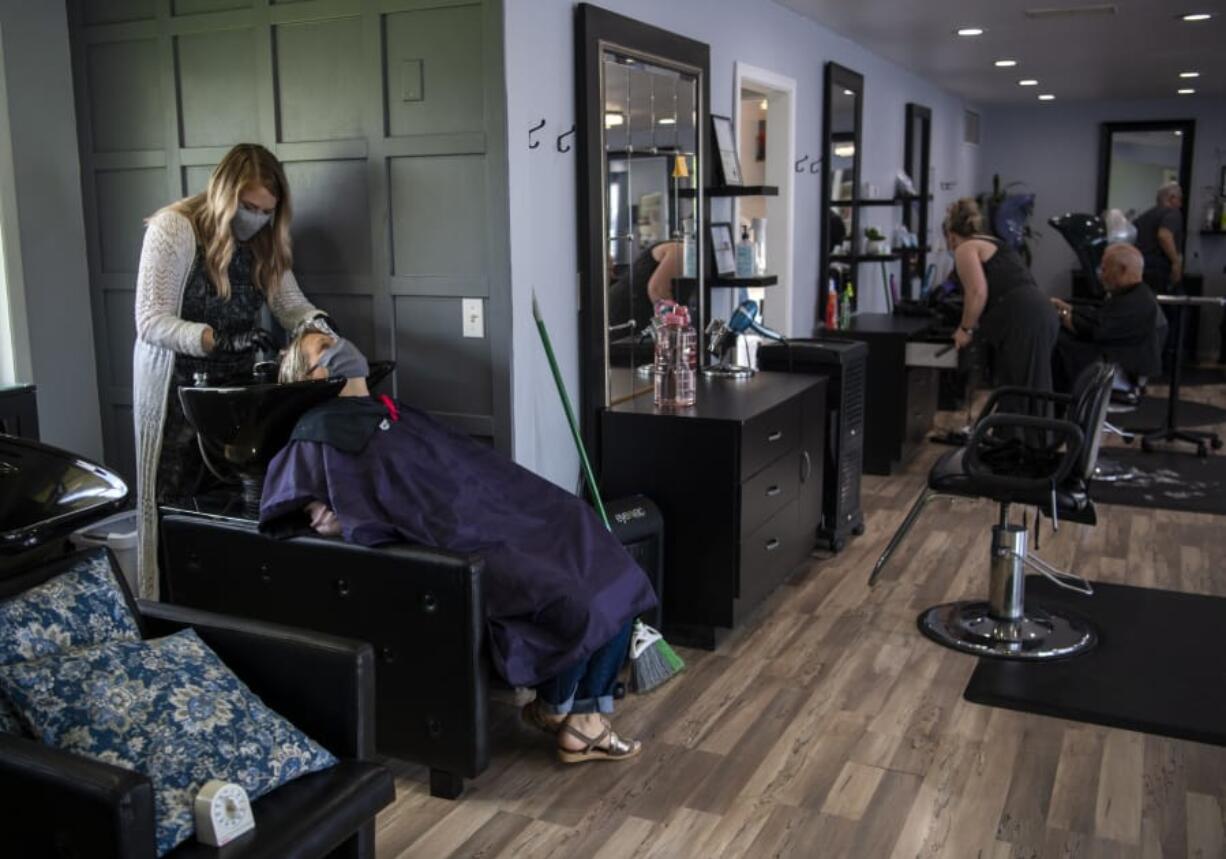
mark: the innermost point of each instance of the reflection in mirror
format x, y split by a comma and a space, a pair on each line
652, 217
917, 210
843, 152
842, 108
1141, 162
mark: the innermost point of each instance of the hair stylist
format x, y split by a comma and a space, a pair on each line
1002, 308
208, 265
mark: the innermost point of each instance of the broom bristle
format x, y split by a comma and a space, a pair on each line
655, 666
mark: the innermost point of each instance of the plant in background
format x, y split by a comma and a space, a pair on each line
1008, 216
875, 240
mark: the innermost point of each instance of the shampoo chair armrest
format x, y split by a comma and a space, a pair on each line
322, 683
975, 446
994, 398
57, 803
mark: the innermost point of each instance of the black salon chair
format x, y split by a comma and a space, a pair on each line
58, 804
1055, 479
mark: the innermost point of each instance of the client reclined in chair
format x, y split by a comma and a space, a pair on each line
995, 464
561, 592
1126, 328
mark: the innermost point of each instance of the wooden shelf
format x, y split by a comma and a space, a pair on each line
855, 259
1213, 232
762, 280
875, 201
744, 191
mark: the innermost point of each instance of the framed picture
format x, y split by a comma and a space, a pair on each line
725, 148
723, 249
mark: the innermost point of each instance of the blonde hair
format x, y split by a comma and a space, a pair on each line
296, 365
963, 218
211, 212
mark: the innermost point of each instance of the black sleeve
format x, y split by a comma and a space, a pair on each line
1173, 221
1124, 320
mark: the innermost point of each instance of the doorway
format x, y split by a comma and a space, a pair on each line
765, 118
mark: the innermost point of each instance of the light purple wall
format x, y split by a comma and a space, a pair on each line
1053, 149
540, 83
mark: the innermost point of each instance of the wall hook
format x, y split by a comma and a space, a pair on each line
533, 144
800, 163
816, 166
562, 137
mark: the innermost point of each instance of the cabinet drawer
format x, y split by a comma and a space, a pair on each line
769, 491
766, 557
767, 436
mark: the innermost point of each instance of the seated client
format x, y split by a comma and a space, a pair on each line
1127, 327
560, 591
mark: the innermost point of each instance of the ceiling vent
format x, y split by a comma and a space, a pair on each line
1073, 11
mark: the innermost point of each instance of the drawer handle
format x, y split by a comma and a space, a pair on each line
773, 491
772, 544
806, 470
342, 588
775, 436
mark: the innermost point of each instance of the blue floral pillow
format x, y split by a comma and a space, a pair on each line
81, 607
168, 708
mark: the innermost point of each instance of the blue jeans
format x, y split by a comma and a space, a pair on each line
587, 686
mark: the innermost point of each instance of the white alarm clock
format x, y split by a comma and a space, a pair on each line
222, 813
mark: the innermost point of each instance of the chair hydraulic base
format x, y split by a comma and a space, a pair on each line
1002, 627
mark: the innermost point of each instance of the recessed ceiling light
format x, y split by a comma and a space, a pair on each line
974, 31
764, 104
612, 119
1028, 82
1189, 74
667, 120
848, 92
1047, 97
1005, 64
1179, 134
1197, 16
1186, 91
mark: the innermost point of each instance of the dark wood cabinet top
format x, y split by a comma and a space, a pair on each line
886, 324
728, 399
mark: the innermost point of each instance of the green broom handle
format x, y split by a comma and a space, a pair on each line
570, 419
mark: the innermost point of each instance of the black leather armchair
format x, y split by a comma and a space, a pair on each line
1054, 479
421, 608
57, 804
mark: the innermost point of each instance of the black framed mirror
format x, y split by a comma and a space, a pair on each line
916, 211
1136, 158
642, 98
842, 113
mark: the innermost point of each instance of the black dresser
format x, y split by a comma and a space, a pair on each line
738, 478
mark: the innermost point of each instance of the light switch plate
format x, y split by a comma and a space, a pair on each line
474, 317
412, 87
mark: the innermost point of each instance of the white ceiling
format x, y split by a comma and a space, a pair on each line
1136, 52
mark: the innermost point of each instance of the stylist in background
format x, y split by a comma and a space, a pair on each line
1159, 238
209, 264
1002, 307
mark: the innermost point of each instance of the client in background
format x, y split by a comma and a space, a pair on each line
1126, 328
560, 591
648, 280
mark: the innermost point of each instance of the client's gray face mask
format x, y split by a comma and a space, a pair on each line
343, 360
247, 223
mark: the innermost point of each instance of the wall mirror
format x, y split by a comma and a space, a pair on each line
1136, 158
642, 108
917, 211
841, 157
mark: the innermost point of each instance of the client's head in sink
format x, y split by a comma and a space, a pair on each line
315, 355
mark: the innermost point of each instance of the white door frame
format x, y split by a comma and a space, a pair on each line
15, 363
780, 156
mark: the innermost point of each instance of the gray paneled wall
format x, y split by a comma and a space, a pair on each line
389, 118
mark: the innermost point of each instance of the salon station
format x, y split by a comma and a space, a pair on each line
528, 428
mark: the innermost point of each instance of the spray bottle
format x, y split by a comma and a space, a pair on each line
849, 293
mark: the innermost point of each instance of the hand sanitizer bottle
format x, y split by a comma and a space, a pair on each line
744, 255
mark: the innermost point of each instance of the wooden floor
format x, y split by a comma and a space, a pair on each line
829, 727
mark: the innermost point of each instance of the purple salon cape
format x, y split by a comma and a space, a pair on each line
557, 584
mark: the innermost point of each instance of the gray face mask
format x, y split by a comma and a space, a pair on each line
247, 223
343, 360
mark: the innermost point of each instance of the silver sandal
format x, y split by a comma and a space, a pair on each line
614, 748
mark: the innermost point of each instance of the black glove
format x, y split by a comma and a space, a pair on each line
244, 341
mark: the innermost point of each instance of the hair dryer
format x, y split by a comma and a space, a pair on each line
746, 319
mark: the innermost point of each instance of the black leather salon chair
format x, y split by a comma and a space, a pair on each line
57, 804
995, 464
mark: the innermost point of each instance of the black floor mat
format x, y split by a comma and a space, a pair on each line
1151, 414
1157, 666
1195, 376
1169, 481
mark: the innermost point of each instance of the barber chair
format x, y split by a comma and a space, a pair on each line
1055, 480
1087, 236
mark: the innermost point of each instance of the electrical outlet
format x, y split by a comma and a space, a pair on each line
474, 317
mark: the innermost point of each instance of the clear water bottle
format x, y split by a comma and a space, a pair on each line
675, 360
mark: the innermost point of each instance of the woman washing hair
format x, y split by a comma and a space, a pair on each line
560, 591
1002, 306
208, 265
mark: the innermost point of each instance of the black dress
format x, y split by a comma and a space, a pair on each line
181, 470
1019, 326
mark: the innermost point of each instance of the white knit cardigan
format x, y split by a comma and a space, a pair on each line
165, 264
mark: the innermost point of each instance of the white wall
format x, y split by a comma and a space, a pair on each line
544, 258
50, 222
1053, 148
